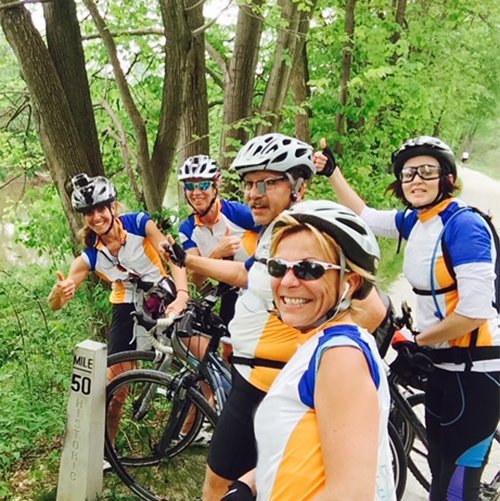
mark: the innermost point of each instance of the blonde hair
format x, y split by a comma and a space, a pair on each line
288, 225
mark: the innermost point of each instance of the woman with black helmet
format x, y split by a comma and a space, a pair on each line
449, 261
120, 249
322, 428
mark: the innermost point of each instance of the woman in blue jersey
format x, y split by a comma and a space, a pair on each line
218, 228
449, 262
322, 428
120, 249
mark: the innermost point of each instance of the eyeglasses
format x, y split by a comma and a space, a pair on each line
202, 185
303, 270
263, 185
426, 172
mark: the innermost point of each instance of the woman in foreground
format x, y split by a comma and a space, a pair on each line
322, 429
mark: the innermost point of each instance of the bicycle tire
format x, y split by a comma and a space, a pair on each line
399, 465
146, 456
143, 359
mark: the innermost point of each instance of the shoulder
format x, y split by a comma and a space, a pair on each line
238, 213
135, 222
187, 226
405, 221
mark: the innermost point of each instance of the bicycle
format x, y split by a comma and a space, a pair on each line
408, 411
153, 442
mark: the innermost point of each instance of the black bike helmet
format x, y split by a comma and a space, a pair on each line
429, 146
91, 192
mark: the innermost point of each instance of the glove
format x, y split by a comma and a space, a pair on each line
331, 164
238, 491
176, 253
403, 345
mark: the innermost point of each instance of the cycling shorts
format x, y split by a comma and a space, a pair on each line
233, 449
121, 331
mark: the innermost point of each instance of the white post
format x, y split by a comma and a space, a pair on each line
81, 469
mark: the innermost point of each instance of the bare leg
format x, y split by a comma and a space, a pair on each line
214, 487
116, 405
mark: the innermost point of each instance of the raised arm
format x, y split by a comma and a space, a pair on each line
65, 288
348, 418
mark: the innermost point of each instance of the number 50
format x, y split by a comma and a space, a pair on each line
81, 384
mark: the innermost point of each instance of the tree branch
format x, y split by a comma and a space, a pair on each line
143, 158
121, 139
143, 32
18, 3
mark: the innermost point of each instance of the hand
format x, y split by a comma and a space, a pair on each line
178, 305
404, 345
170, 250
62, 292
227, 247
326, 162
238, 491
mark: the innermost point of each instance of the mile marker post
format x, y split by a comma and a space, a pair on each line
81, 468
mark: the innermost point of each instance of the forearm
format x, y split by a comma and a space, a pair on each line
230, 272
345, 193
452, 327
179, 276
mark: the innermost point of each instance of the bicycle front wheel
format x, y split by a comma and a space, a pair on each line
399, 464
154, 454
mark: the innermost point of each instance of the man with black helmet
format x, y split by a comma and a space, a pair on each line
449, 261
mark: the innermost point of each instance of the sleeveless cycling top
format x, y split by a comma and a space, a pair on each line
255, 328
290, 464
472, 254
233, 218
136, 256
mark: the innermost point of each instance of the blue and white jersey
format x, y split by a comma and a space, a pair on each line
136, 256
233, 218
290, 464
472, 252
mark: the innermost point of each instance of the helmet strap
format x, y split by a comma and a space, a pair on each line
296, 184
112, 221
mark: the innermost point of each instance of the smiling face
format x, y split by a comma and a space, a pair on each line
302, 302
421, 192
99, 220
200, 199
266, 207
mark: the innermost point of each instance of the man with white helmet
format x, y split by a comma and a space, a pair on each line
217, 228
274, 169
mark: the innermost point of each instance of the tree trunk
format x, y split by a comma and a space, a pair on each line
59, 136
239, 79
65, 46
301, 94
178, 44
346, 69
194, 134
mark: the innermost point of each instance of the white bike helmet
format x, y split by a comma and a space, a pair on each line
199, 166
350, 232
91, 192
275, 152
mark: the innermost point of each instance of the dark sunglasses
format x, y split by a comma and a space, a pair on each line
202, 185
426, 172
303, 270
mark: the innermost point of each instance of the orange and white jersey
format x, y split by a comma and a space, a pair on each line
290, 462
136, 256
255, 329
472, 253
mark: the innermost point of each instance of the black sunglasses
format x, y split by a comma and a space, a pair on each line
303, 270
